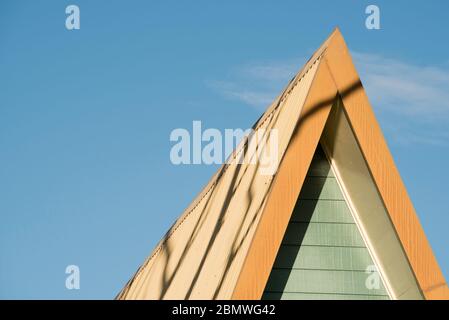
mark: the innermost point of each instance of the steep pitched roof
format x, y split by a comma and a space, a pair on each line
224, 244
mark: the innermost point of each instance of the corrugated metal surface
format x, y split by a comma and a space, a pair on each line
202, 255
322, 255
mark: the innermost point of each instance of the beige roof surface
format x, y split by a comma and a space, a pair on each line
201, 255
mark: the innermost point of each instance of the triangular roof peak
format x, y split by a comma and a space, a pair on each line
225, 243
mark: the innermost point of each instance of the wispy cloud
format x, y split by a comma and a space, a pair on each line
257, 84
405, 89
235, 91
411, 100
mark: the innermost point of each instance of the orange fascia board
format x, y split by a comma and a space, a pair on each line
337, 75
286, 187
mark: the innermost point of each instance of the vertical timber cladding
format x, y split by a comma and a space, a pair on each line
323, 255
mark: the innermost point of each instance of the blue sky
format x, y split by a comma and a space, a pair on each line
85, 118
